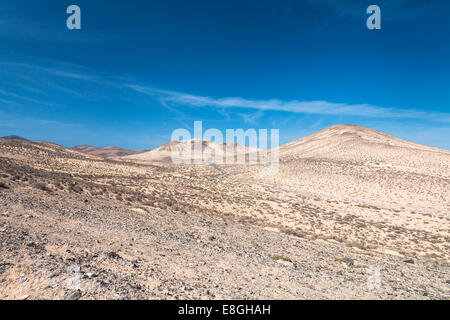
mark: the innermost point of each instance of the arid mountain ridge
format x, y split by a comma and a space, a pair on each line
335, 140
107, 152
345, 200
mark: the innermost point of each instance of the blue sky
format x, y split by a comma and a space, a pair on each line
137, 70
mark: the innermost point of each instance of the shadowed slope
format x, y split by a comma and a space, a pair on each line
107, 152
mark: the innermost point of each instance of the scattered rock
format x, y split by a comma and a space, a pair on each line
349, 261
5, 264
113, 255
73, 295
2, 271
346, 260
409, 261
104, 283
23, 280
35, 246
212, 238
24, 297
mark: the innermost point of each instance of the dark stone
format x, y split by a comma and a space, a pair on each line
3, 186
349, 261
113, 255
73, 295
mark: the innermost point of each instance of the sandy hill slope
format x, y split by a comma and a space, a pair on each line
370, 148
187, 150
106, 152
351, 141
359, 174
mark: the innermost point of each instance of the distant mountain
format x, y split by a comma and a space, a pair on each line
107, 152
186, 150
351, 145
353, 141
14, 137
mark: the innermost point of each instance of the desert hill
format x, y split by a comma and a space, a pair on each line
187, 150
107, 152
339, 140
368, 147
13, 137
361, 167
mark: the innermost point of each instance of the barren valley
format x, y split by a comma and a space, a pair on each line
352, 213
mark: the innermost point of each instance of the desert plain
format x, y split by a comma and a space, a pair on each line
352, 213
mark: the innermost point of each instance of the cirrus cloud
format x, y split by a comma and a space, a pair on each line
320, 107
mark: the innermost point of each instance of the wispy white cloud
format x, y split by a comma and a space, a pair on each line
7, 102
171, 99
22, 97
294, 106
61, 71
44, 81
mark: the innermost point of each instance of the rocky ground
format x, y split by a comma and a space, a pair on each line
76, 226
61, 246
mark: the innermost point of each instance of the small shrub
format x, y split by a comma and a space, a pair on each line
291, 232
278, 257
